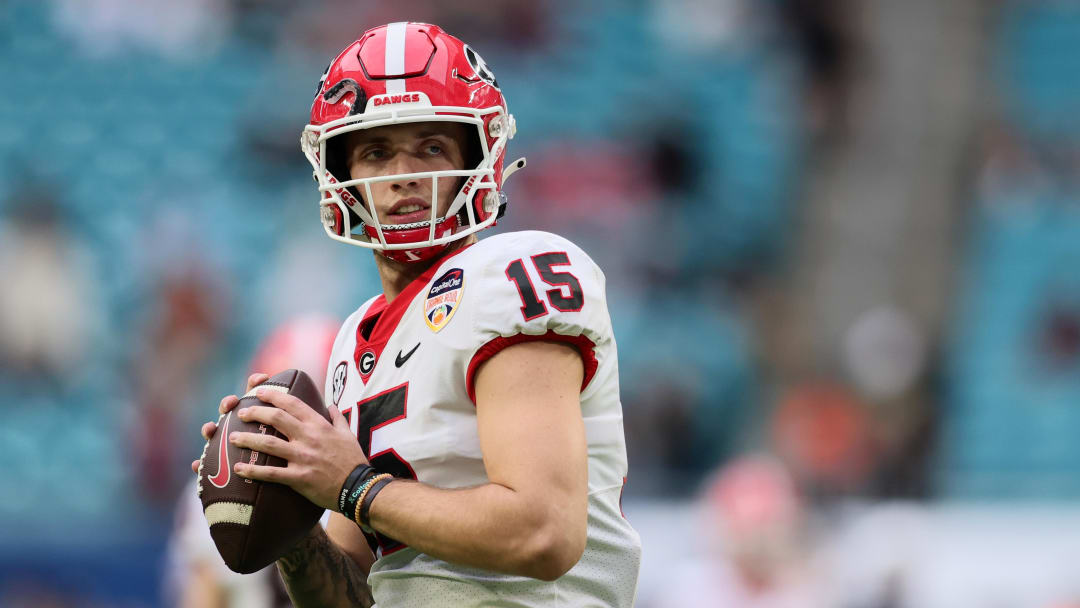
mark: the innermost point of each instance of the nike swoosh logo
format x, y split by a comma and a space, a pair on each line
400, 360
221, 478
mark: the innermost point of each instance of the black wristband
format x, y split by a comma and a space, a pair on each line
366, 505
347, 497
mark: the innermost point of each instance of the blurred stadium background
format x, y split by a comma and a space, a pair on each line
842, 240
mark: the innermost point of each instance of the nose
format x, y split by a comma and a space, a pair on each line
401, 164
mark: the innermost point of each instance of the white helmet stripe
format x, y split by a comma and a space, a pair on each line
395, 57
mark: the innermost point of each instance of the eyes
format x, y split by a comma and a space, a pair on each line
380, 152
373, 154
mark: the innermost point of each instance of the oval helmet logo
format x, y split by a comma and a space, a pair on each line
322, 79
480, 67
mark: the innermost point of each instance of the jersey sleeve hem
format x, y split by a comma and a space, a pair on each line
584, 345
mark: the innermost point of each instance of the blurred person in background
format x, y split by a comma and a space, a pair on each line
508, 416
196, 576
759, 557
177, 343
824, 32
688, 379
49, 308
824, 435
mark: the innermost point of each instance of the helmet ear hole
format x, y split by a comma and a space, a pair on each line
338, 166
473, 155
474, 151
336, 161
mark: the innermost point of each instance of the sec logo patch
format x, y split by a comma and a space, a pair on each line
341, 374
443, 298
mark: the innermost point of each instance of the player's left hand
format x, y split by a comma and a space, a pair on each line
320, 454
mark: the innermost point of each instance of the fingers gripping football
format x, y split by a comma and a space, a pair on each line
227, 404
255, 380
254, 522
320, 454
263, 443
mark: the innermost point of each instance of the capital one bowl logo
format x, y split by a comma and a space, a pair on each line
443, 298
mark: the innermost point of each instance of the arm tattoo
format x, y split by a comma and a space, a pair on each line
318, 573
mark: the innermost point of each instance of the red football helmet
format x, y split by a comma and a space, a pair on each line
406, 73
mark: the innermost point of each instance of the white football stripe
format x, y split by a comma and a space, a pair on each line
394, 57
228, 513
269, 387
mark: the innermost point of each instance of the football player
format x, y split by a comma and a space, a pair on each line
476, 454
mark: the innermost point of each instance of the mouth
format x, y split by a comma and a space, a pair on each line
409, 211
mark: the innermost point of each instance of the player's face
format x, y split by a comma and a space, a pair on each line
408, 148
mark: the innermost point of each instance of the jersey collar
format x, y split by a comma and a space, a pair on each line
387, 316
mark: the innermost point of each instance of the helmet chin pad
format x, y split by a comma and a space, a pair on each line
443, 227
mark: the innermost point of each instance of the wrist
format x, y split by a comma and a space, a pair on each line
364, 506
352, 487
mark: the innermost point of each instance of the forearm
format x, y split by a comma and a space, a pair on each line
319, 573
490, 526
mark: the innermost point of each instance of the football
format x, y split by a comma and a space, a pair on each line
254, 522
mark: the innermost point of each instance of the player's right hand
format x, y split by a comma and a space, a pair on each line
227, 403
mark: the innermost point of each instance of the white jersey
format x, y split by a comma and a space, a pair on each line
403, 373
